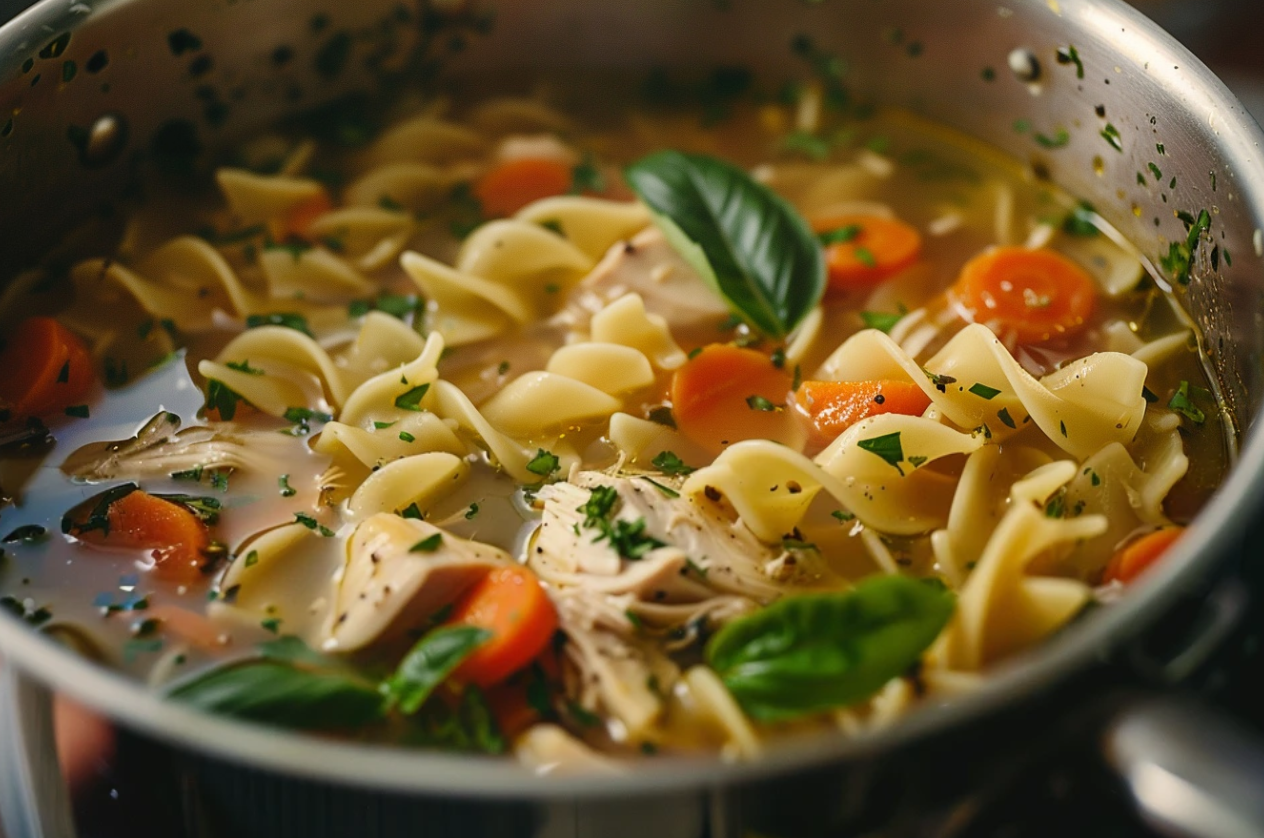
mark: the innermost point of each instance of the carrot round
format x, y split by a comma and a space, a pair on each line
1138, 555
176, 538
513, 184
510, 603
831, 407
725, 394
44, 368
1034, 295
300, 217
866, 249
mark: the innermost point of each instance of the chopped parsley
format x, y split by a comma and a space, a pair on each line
887, 447
252, 558
667, 491
429, 544
917, 462
283, 483
627, 538
471, 512
1112, 136
839, 235
1069, 55
880, 320
272, 624
544, 463
312, 524
865, 257
842, 516
668, 463
941, 382
662, 415
289, 320
412, 511
303, 415
405, 436
219, 480
79, 411
1184, 405
1081, 221
1006, 419
63, 376
1062, 427
1061, 138
586, 177
984, 392
760, 403
412, 399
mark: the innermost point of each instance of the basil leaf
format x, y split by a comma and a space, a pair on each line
746, 242
807, 654
278, 693
429, 663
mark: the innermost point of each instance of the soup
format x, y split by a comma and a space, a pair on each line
582, 431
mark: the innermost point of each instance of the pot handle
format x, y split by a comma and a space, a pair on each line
1191, 772
34, 800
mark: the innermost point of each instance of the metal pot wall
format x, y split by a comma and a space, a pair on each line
90, 92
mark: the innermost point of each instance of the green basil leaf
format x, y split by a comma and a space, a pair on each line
278, 693
812, 653
748, 243
429, 663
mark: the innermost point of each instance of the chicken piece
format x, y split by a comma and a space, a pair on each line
625, 678
399, 572
649, 266
724, 555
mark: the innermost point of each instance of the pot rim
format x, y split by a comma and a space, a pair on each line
398, 770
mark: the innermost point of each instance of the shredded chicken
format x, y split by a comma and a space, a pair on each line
649, 266
399, 572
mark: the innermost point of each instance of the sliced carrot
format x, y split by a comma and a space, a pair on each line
725, 394
44, 368
1137, 556
1033, 295
298, 221
867, 250
831, 407
511, 604
176, 537
515, 183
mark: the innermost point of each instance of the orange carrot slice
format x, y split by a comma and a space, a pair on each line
863, 250
515, 183
176, 537
44, 368
511, 604
725, 394
1033, 295
298, 221
831, 407
1137, 556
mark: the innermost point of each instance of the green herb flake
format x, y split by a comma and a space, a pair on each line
880, 320
668, 463
283, 484
412, 399
1155, 170
1112, 136
1060, 139
63, 375
381, 426
839, 235
407, 437
472, 512
1062, 428
429, 544
887, 447
252, 559
984, 392
1081, 221
843, 517
761, 404
662, 415
667, 491
1069, 55
271, 624
1006, 419
544, 463
79, 411
288, 320
1184, 405
865, 257
412, 511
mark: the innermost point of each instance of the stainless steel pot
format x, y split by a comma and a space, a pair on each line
90, 91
